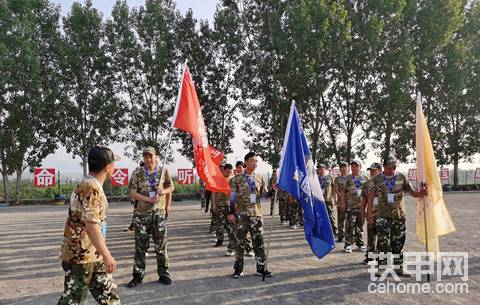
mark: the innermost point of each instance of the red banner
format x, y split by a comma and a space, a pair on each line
119, 177
188, 117
412, 174
477, 174
44, 177
185, 176
444, 173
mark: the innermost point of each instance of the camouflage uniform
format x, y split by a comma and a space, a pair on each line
390, 222
338, 185
202, 195
271, 183
222, 202
326, 183
283, 206
249, 217
296, 213
149, 221
83, 265
353, 192
371, 227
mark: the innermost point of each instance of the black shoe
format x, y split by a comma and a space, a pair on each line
367, 260
134, 282
165, 280
219, 243
237, 274
264, 272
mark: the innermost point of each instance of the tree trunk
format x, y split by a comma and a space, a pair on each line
388, 141
85, 166
18, 185
5, 184
455, 170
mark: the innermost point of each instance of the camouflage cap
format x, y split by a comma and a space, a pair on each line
357, 162
149, 150
322, 165
375, 165
342, 163
390, 161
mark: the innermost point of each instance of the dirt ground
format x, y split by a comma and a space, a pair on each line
30, 271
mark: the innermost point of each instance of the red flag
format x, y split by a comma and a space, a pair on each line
188, 117
217, 155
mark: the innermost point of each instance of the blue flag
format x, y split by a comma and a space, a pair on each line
298, 177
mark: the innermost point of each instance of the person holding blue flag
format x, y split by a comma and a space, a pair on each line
298, 177
246, 214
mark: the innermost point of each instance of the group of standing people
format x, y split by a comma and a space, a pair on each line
88, 263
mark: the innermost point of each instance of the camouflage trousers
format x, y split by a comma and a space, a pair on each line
296, 214
340, 223
79, 278
284, 210
371, 238
150, 225
214, 219
223, 225
254, 225
353, 227
331, 216
391, 235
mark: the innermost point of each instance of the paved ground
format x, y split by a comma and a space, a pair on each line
30, 271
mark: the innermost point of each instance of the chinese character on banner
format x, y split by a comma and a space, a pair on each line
185, 176
44, 177
412, 174
119, 177
217, 155
477, 174
335, 172
444, 172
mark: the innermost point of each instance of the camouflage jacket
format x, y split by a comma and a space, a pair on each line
239, 184
326, 183
87, 203
139, 183
353, 191
367, 188
222, 198
381, 185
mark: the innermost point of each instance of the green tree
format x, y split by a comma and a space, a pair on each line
29, 48
142, 44
93, 113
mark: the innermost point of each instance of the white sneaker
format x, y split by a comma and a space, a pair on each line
362, 249
294, 227
348, 249
285, 223
250, 254
230, 253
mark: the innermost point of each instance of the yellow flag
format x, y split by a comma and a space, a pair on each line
430, 209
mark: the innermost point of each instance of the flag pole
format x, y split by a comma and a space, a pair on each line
270, 233
170, 132
422, 183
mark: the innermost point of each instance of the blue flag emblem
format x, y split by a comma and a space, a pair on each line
297, 176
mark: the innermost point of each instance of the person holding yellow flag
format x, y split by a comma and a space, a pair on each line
389, 188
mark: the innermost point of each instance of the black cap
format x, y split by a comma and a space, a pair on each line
101, 156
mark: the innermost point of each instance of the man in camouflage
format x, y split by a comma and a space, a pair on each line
326, 183
149, 185
283, 206
296, 212
221, 206
271, 187
351, 200
245, 211
390, 188
240, 170
86, 260
374, 169
338, 186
